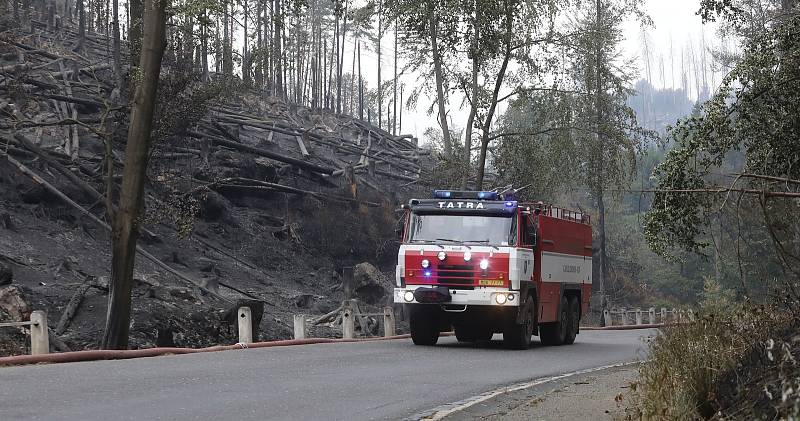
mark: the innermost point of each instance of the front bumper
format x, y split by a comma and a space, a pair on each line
474, 297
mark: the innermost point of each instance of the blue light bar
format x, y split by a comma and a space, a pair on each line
452, 194
442, 194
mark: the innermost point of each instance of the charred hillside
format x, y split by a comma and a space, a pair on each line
249, 199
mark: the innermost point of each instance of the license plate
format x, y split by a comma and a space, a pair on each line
491, 282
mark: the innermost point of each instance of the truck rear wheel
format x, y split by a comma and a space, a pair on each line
424, 323
518, 336
574, 320
556, 333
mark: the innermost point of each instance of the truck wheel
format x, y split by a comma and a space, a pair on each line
556, 333
518, 336
574, 320
424, 325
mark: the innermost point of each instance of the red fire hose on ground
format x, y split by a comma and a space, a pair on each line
95, 355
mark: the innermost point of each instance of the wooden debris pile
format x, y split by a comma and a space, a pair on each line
68, 104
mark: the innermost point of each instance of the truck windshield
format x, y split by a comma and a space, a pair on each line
467, 229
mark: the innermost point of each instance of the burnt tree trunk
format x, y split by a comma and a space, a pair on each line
438, 73
135, 9
131, 203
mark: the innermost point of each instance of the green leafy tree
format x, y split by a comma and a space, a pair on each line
739, 154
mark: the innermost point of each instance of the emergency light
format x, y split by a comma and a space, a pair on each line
456, 194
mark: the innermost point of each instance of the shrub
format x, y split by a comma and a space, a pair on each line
692, 365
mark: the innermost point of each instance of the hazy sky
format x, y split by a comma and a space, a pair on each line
673, 20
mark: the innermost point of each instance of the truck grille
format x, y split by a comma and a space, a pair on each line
456, 276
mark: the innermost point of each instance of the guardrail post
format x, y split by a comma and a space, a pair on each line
40, 338
663, 315
607, 320
690, 313
680, 316
651, 315
299, 326
388, 321
245, 325
348, 324
624, 316
674, 314
638, 316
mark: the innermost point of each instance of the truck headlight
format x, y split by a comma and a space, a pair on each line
426, 263
442, 255
467, 256
408, 296
500, 299
484, 264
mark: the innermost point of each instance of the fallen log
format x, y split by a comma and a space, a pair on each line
81, 101
89, 70
91, 191
262, 152
72, 307
258, 184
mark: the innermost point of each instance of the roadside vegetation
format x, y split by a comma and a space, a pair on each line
731, 180
735, 361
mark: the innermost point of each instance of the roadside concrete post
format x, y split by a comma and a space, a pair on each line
680, 315
663, 315
638, 316
299, 326
690, 314
624, 316
607, 320
651, 315
674, 314
40, 338
348, 324
388, 321
245, 325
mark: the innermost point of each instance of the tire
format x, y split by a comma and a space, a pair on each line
574, 320
518, 336
554, 334
424, 325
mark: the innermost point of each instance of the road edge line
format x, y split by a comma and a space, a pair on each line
443, 411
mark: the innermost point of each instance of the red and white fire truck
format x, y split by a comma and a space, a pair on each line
482, 263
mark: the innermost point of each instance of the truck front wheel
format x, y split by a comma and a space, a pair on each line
424, 323
518, 336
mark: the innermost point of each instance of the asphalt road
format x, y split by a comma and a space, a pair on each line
347, 381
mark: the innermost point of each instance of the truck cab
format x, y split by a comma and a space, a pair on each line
482, 263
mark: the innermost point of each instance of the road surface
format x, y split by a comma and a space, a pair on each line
344, 381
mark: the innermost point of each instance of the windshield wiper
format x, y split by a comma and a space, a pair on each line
459, 242
420, 240
483, 242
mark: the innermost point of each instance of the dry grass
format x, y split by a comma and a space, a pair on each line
734, 362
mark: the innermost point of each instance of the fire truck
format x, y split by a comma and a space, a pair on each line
480, 263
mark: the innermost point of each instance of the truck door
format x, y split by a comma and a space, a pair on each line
527, 244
